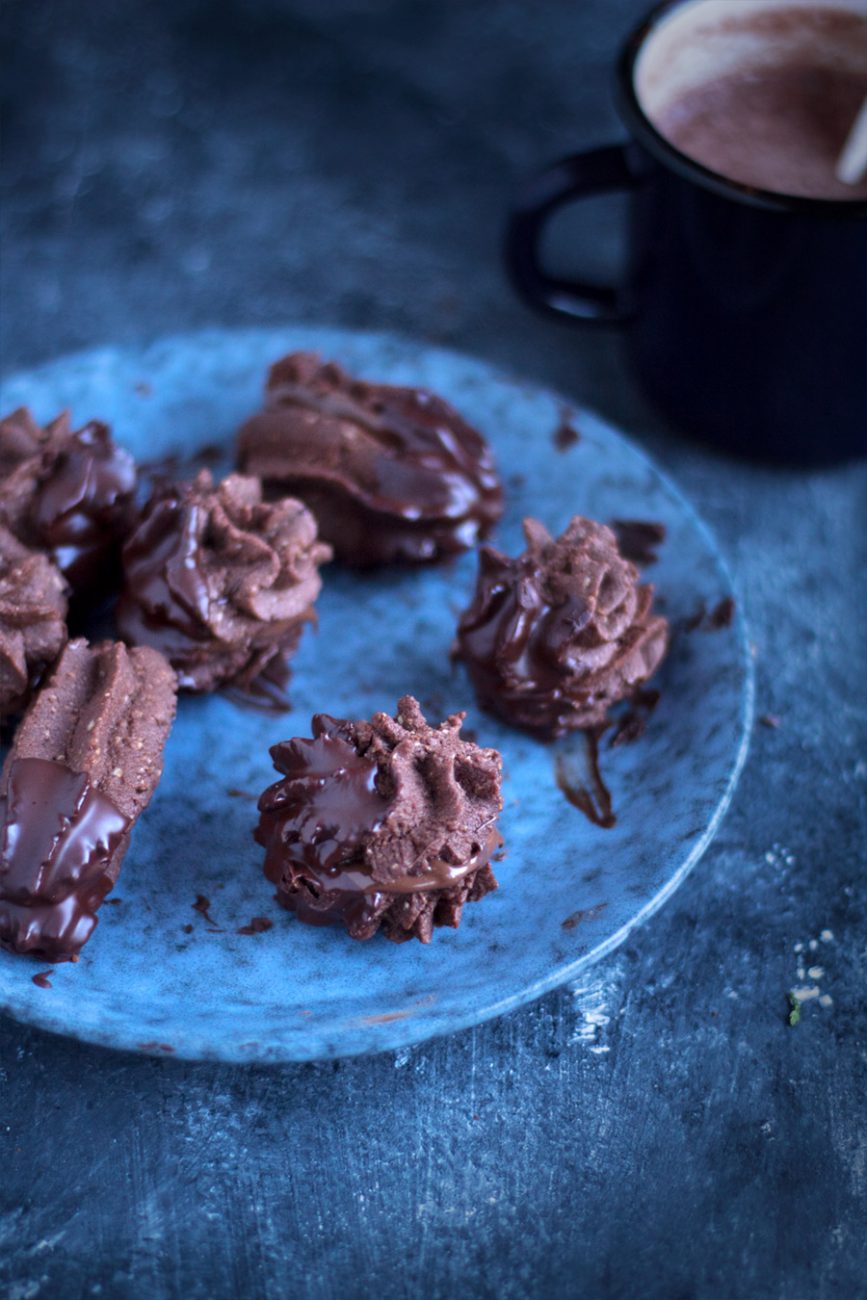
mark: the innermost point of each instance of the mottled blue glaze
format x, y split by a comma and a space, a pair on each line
298, 993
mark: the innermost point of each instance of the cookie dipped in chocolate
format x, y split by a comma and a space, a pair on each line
556, 636
59, 844
219, 581
33, 604
391, 474
84, 763
69, 493
388, 824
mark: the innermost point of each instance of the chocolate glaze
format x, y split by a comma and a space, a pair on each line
392, 474
69, 493
557, 635
61, 846
222, 584
389, 823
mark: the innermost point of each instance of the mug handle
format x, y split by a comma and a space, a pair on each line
595, 172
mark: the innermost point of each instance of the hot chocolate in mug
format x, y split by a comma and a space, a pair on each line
744, 297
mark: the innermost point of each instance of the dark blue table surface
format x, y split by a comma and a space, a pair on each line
659, 1130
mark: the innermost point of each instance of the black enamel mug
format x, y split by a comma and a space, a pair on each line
744, 309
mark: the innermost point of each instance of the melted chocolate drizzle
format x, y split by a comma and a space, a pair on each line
594, 798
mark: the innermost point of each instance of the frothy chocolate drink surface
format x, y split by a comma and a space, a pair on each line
762, 92
776, 128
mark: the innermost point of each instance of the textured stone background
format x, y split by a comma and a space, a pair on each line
659, 1131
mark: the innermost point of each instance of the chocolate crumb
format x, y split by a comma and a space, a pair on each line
258, 925
566, 435
41, 980
188, 929
770, 720
202, 905
637, 539
583, 914
722, 614
719, 617
234, 793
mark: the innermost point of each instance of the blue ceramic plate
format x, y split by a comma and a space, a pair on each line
157, 976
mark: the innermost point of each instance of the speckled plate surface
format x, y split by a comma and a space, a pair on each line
157, 977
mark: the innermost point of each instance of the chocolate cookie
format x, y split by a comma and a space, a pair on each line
32, 620
392, 474
220, 582
389, 824
68, 493
553, 638
84, 762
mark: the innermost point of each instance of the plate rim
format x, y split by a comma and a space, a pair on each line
415, 1030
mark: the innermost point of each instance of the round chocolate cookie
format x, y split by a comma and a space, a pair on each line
220, 582
69, 493
557, 635
389, 824
392, 474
